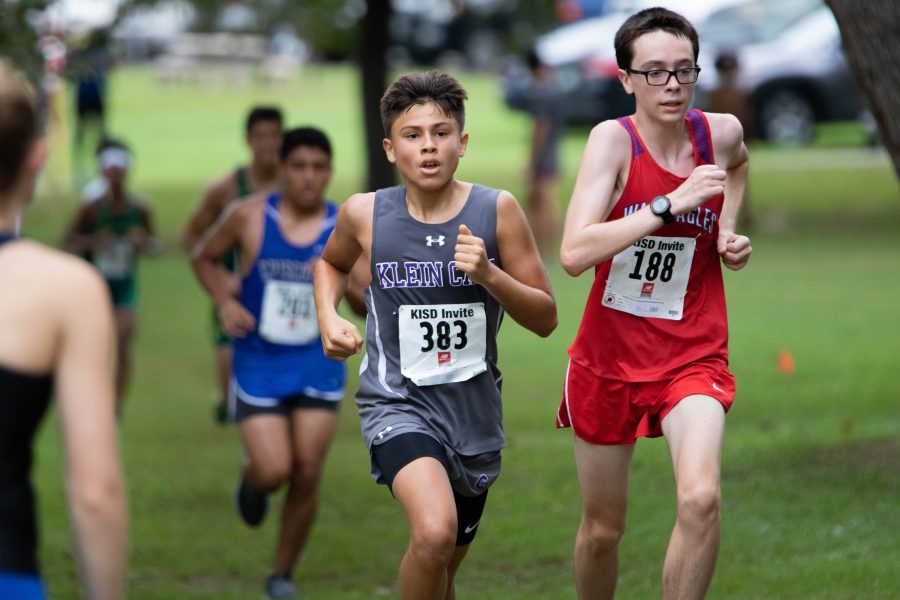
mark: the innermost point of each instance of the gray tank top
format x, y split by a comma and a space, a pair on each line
431, 334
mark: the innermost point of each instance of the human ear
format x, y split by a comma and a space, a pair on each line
623, 79
389, 150
37, 157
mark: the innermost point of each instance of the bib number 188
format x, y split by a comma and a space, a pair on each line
654, 263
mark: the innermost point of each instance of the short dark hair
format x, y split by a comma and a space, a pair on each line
263, 113
18, 125
648, 21
304, 136
420, 88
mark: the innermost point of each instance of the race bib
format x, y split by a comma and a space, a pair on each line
650, 278
114, 261
442, 343
288, 314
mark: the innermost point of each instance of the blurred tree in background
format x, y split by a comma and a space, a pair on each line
19, 39
871, 36
334, 30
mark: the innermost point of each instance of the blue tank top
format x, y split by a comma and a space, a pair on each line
283, 356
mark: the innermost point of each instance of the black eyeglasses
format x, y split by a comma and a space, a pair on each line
683, 75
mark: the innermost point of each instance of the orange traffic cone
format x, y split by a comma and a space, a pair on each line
786, 364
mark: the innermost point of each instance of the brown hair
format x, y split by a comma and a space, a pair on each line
418, 88
18, 125
648, 21
263, 113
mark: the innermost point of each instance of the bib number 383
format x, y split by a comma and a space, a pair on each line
650, 278
288, 314
442, 343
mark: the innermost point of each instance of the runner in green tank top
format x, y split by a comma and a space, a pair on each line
263, 136
110, 232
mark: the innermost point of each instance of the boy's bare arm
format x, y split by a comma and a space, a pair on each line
215, 198
359, 279
729, 144
76, 240
521, 286
94, 482
145, 239
728, 139
341, 338
588, 240
218, 283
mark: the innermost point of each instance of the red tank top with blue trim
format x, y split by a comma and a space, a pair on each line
629, 344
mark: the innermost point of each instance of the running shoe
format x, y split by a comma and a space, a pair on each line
279, 587
251, 503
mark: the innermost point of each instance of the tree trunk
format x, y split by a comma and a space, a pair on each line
373, 70
870, 30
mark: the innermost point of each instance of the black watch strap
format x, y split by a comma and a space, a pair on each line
662, 207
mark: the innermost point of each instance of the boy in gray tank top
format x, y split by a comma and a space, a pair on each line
447, 259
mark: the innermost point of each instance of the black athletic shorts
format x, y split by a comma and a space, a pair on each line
399, 451
239, 409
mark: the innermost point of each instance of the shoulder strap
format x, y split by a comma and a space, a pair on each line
700, 136
243, 182
637, 148
272, 207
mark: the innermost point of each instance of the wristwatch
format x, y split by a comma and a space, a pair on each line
661, 207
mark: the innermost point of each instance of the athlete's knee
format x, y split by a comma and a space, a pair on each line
268, 477
600, 535
434, 541
698, 504
306, 474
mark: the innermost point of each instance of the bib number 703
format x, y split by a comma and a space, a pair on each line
657, 266
440, 335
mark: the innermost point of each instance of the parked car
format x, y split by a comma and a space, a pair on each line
586, 73
429, 32
789, 54
796, 75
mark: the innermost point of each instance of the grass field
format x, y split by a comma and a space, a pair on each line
811, 466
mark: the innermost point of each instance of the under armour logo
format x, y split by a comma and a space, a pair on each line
439, 240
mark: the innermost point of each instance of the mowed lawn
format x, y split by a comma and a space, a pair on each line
811, 465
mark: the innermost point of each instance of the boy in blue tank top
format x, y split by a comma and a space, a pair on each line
447, 258
263, 136
284, 392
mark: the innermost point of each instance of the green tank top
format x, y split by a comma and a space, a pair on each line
242, 178
241, 191
116, 261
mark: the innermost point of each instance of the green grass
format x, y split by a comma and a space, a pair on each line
811, 464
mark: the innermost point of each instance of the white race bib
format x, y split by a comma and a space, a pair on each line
650, 278
114, 261
442, 343
288, 314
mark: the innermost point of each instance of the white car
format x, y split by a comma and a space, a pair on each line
797, 76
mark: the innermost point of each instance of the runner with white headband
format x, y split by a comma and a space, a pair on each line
111, 232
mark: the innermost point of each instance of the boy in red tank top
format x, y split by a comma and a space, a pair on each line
653, 212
